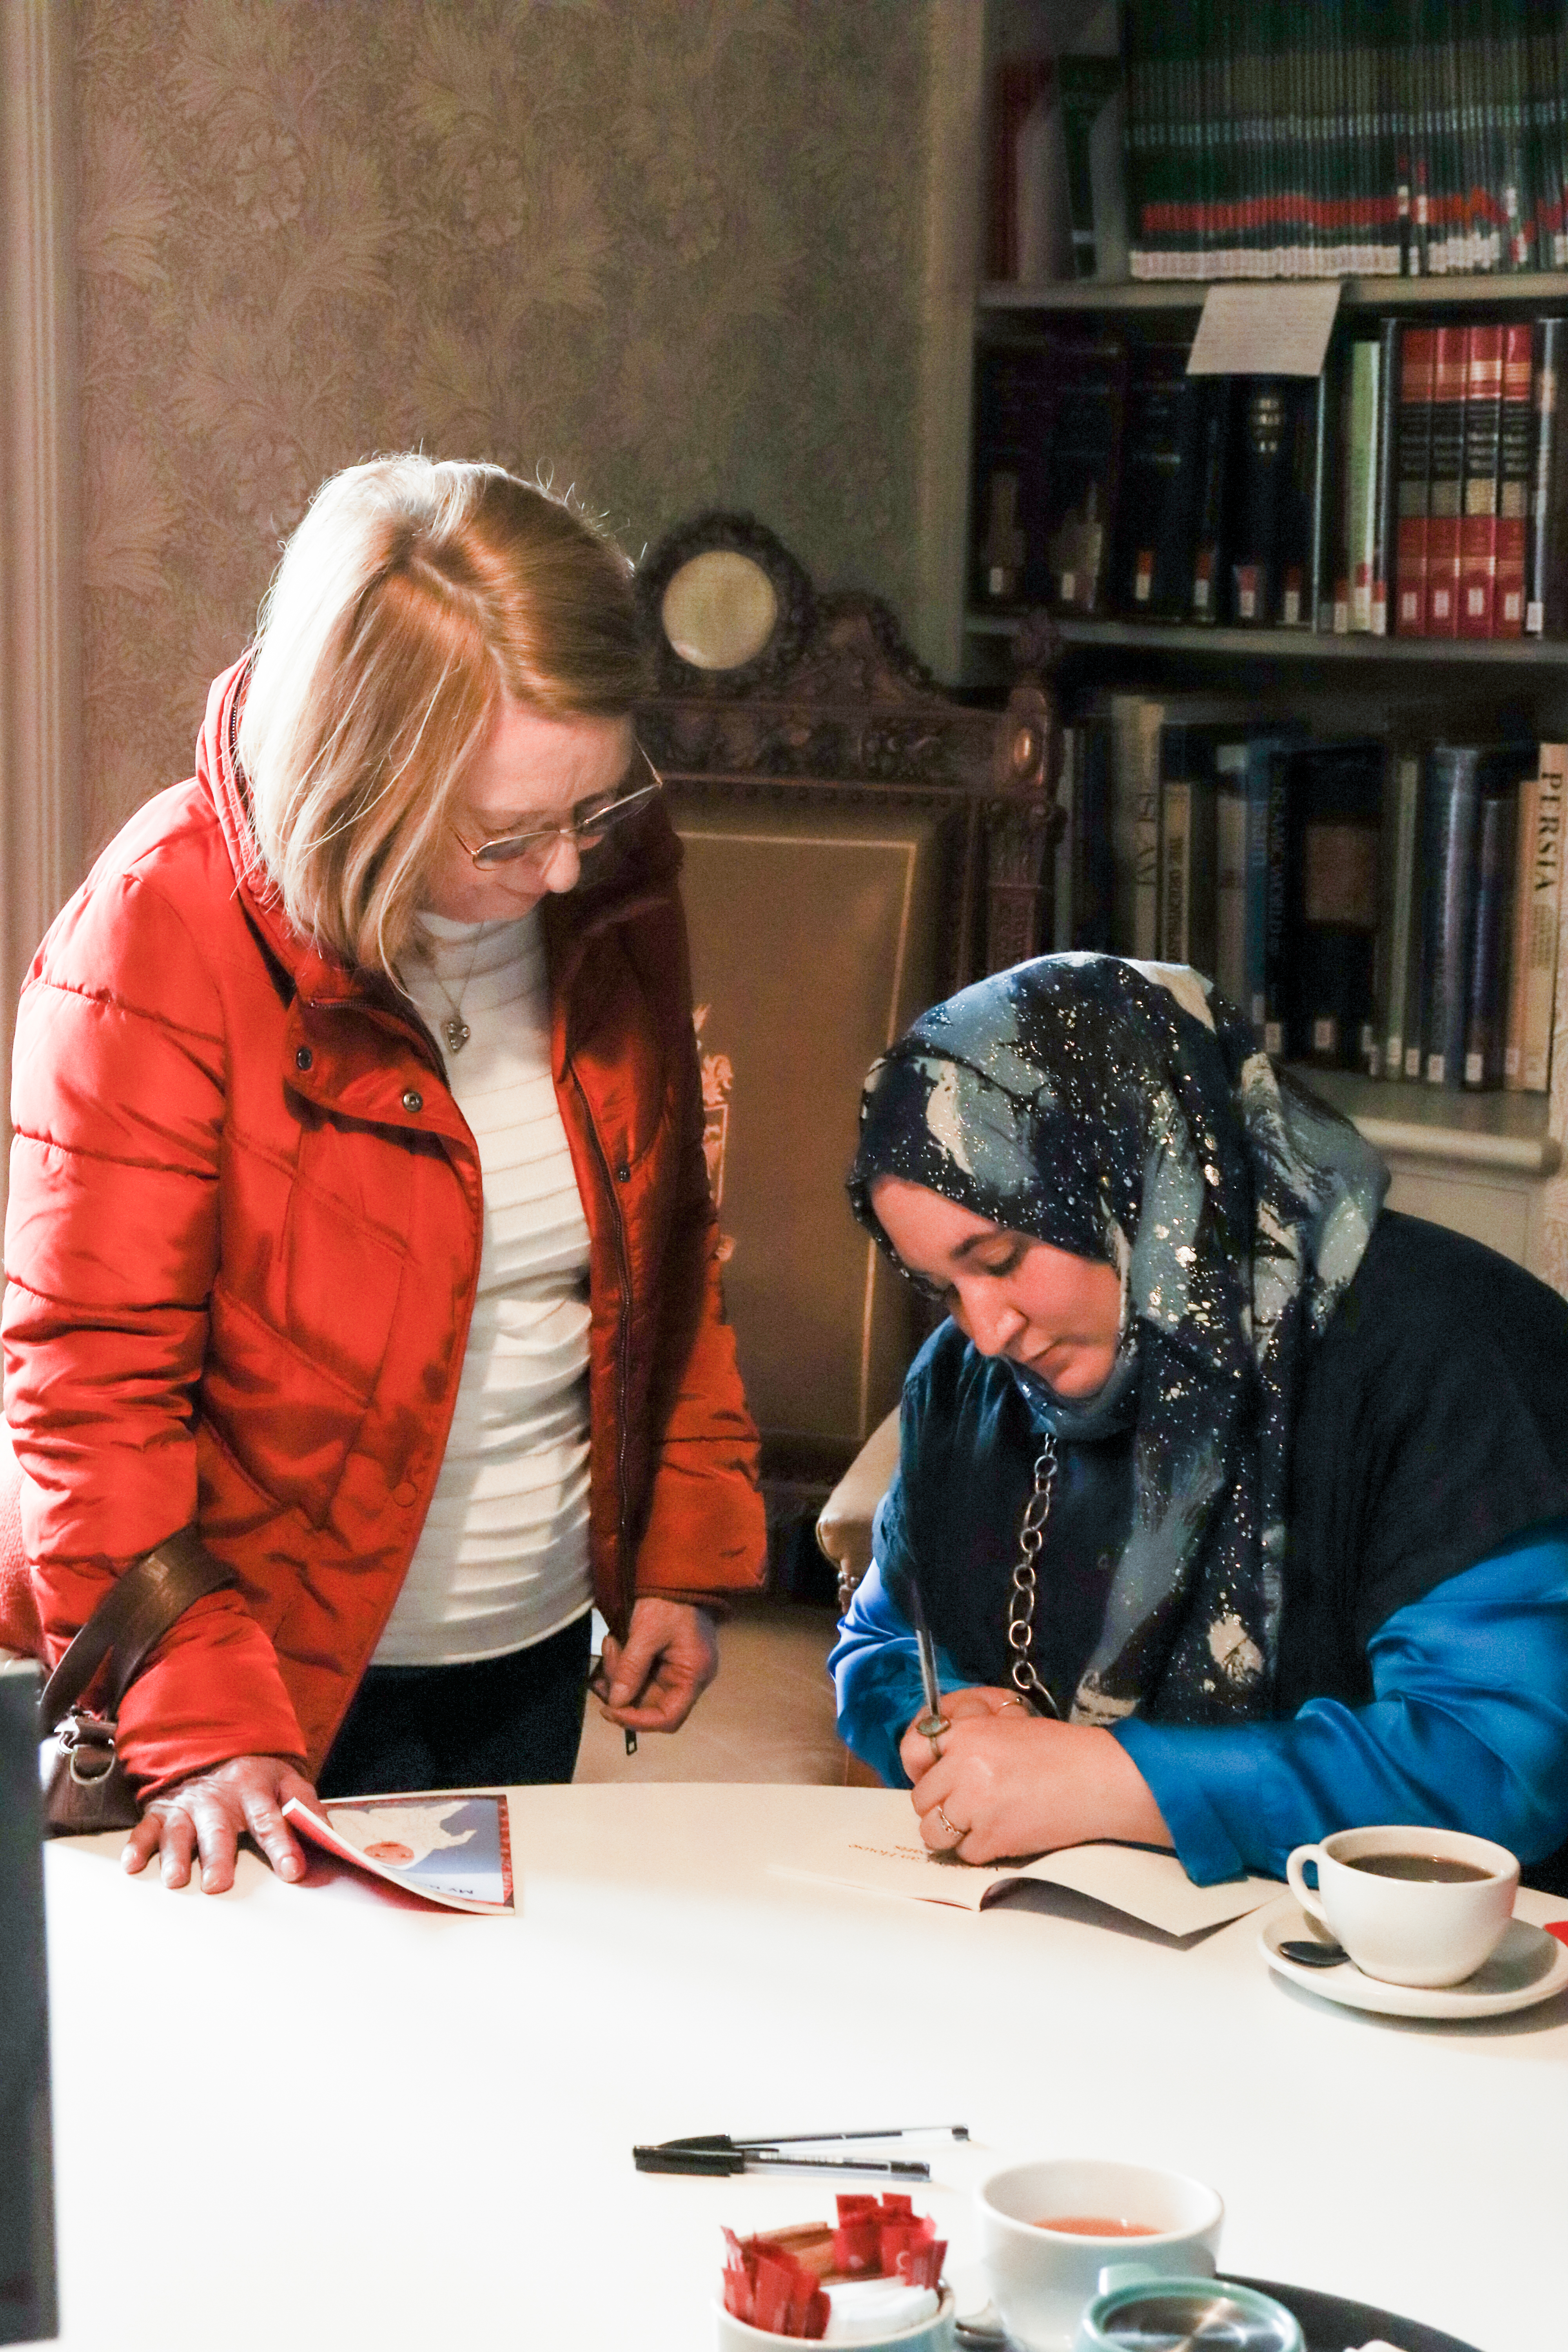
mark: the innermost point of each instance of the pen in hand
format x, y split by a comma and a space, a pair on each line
933, 1723
598, 1683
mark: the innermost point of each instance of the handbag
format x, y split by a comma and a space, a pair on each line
85, 1786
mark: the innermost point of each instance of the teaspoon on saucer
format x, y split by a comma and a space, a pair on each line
1308, 1953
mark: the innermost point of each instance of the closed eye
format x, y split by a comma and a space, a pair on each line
1008, 1263
941, 1294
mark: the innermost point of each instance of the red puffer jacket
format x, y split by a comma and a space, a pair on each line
241, 1251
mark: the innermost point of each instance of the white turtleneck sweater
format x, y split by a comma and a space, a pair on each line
503, 1557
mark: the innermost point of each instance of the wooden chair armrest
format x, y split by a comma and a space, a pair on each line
844, 1525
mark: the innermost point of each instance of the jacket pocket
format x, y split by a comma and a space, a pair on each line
280, 1409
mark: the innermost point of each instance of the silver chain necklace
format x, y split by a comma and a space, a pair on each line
1021, 1604
455, 1029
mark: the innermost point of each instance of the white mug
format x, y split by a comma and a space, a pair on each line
1041, 2278
1409, 1930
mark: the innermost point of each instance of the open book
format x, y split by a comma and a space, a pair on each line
452, 1848
877, 1849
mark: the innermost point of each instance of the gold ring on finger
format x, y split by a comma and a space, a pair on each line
955, 1833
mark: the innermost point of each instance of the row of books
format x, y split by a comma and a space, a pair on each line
1418, 486
1398, 137
1382, 905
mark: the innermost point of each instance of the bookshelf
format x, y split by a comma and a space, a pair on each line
1538, 287
1489, 1164
1285, 645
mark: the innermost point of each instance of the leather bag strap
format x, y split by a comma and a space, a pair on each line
131, 1620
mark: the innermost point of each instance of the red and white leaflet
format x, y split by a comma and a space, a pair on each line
451, 1847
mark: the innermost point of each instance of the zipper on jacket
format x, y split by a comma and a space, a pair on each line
624, 1337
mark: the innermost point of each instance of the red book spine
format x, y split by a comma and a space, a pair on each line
1477, 506
1514, 454
1417, 361
1447, 468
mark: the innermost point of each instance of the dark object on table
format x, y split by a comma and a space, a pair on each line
718, 2155
1308, 1952
719, 2158
1330, 2322
27, 2305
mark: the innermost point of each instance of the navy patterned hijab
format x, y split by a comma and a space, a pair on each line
1121, 1111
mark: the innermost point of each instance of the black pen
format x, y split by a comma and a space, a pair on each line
719, 2157
600, 1688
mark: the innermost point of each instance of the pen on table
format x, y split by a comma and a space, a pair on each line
716, 2156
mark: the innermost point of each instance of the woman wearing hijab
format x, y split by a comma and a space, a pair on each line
1236, 1504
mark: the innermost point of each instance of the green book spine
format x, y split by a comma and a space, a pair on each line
1209, 135
1318, 103
1517, 195
1420, 86
1139, 145
1352, 143
1360, 481
1297, 231
1541, 119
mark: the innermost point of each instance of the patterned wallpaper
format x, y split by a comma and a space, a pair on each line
665, 250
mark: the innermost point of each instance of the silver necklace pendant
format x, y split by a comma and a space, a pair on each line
457, 1032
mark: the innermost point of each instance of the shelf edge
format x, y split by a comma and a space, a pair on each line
1512, 1155
1290, 644
1391, 292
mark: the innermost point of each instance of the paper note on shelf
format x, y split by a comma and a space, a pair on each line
450, 1847
1264, 330
886, 1857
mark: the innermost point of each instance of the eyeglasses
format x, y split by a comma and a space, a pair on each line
591, 822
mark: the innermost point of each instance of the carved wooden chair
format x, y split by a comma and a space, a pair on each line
858, 844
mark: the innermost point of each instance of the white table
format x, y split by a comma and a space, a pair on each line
333, 2123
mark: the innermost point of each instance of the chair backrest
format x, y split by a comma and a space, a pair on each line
858, 844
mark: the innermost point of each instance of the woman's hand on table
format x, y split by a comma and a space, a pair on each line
652, 1681
205, 1817
1013, 1782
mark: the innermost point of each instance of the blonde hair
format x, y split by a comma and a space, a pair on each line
412, 596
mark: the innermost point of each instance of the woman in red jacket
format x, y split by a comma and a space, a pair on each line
358, 1212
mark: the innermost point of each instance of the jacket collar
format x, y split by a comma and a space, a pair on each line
644, 875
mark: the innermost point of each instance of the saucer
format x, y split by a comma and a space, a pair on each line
1528, 1966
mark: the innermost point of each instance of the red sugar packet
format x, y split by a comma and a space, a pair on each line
921, 2265
1558, 1927
771, 2286
768, 2288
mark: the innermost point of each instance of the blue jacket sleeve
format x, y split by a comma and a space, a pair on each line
876, 1671
1468, 1729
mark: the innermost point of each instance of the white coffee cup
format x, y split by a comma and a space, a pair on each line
1409, 1930
1040, 2278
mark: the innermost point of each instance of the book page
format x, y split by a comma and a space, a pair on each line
886, 1856
453, 1848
